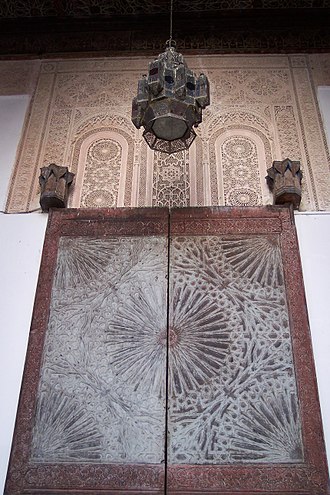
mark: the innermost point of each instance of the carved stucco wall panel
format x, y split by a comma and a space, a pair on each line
230, 187
314, 143
240, 174
24, 181
142, 186
105, 144
290, 143
171, 179
265, 104
100, 169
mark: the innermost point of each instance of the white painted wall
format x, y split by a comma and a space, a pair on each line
314, 244
21, 246
12, 113
21, 240
323, 94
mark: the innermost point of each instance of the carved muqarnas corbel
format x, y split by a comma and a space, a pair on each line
284, 180
54, 185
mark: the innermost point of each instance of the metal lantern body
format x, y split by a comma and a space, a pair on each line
169, 103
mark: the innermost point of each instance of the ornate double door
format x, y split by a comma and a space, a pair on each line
169, 353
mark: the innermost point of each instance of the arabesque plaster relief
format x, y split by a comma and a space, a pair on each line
263, 108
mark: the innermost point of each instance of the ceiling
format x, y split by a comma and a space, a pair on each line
87, 8
41, 28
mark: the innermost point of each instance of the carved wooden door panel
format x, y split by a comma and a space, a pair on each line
92, 411
169, 367
243, 414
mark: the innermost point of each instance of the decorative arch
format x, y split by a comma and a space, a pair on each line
99, 120
103, 164
239, 118
239, 155
241, 166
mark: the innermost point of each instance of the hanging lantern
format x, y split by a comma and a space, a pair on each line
169, 102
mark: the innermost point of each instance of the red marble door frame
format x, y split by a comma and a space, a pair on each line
307, 477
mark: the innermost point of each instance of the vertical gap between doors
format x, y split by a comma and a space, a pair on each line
167, 347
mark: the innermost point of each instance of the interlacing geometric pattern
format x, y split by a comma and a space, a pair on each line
231, 394
241, 177
239, 403
102, 174
171, 179
99, 396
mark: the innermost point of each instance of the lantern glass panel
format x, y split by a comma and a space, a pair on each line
169, 128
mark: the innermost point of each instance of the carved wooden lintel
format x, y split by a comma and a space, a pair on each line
284, 180
54, 185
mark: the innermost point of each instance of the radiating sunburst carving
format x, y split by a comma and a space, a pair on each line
64, 431
137, 340
198, 340
257, 258
234, 360
81, 260
271, 432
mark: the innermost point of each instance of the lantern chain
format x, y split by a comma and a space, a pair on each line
171, 24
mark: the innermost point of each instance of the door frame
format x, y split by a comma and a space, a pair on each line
309, 477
